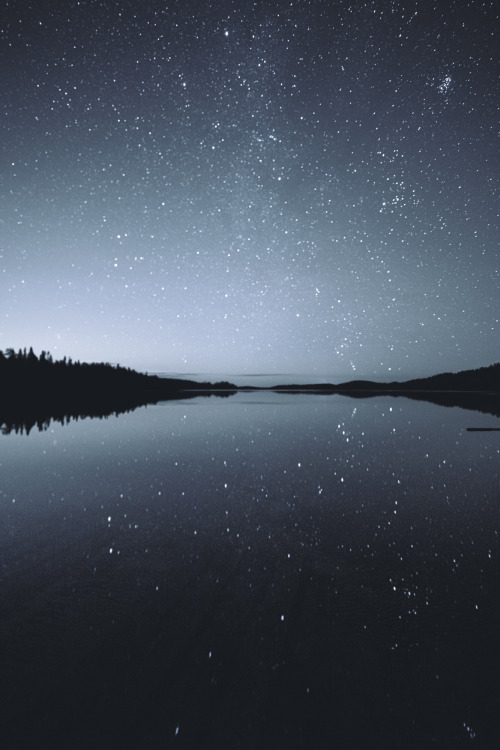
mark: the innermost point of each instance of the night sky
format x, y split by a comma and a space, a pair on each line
252, 187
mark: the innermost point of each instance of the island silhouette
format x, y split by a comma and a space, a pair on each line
34, 390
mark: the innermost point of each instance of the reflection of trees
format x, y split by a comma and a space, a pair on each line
486, 403
24, 421
22, 418
38, 390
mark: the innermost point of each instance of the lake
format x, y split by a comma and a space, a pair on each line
259, 571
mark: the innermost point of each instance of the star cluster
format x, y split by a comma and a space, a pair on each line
300, 186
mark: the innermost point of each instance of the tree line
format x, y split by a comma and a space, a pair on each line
24, 373
35, 390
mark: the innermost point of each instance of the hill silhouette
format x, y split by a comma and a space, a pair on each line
478, 390
481, 379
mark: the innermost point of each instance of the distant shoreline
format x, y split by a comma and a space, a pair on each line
25, 371
35, 390
339, 389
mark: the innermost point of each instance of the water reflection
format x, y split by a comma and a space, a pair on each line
269, 570
21, 418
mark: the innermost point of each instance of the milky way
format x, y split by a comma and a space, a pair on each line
244, 187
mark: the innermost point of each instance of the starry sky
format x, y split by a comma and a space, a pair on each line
301, 187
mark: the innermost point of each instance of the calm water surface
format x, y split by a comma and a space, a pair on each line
265, 570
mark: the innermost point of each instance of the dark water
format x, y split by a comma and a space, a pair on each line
261, 571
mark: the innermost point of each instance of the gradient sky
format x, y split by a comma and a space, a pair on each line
245, 187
